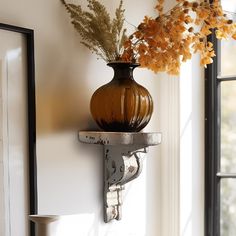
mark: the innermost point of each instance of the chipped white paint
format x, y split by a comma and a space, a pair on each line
120, 138
43, 224
122, 163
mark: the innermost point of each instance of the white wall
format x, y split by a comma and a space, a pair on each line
70, 173
192, 149
159, 202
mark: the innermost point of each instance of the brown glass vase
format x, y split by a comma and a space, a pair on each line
122, 105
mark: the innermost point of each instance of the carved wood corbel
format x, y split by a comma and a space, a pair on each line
123, 161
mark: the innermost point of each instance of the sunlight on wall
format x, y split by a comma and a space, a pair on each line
85, 202
74, 225
192, 149
87, 224
186, 150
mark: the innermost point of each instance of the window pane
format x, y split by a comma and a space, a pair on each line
228, 58
228, 47
228, 126
228, 207
228, 5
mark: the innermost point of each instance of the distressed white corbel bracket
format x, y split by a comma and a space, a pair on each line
122, 163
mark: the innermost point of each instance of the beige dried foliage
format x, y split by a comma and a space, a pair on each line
100, 34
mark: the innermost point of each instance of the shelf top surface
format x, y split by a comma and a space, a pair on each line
120, 138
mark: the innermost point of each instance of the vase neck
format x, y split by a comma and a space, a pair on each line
122, 71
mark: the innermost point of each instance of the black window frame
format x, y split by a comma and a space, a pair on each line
32, 163
213, 173
212, 146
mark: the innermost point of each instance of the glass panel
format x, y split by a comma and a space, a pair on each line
228, 47
228, 207
228, 57
228, 127
229, 5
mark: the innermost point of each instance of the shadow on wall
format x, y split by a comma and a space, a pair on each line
63, 98
62, 74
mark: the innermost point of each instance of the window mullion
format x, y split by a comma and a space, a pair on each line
212, 148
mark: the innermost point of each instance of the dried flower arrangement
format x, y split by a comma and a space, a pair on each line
159, 44
100, 34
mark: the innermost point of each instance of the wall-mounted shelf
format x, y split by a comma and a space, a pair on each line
122, 163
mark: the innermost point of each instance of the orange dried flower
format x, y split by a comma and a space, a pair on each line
234, 36
161, 44
191, 29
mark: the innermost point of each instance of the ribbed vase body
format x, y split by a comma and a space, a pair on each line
122, 105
